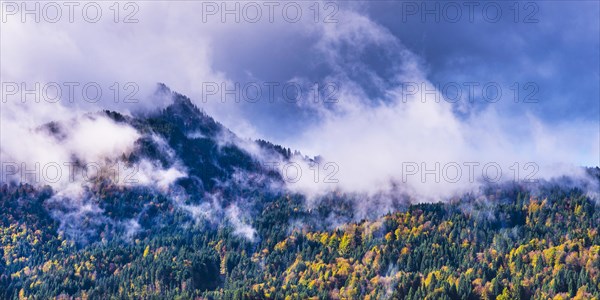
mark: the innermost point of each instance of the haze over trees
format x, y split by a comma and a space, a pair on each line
222, 232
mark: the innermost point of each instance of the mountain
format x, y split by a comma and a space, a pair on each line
225, 226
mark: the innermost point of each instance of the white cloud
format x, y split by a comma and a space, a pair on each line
368, 137
373, 142
240, 223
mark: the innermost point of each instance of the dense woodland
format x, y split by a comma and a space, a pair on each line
506, 242
511, 246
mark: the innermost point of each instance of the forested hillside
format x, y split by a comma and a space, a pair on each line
229, 229
511, 246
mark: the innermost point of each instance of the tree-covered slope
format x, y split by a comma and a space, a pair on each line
229, 229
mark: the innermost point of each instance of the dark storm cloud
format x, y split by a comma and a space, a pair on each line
554, 44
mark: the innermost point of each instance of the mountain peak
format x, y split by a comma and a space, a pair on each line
183, 112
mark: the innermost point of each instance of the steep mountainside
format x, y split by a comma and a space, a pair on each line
226, 227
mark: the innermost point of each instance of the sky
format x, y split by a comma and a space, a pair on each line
516, 83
